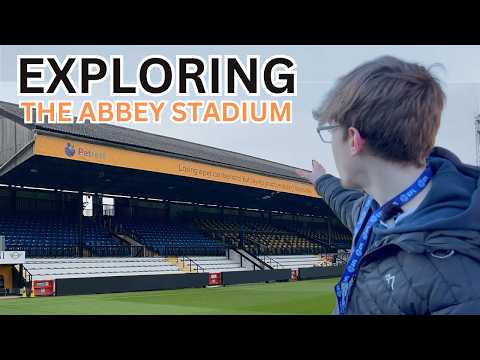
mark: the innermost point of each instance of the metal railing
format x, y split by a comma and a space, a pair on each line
252, 248
261, 249
243, 258
268, 260
169, 250
77, 251
46, 251
310, 235
27, 278
245, 240
116, 251
197, 267
342, 257
189, 251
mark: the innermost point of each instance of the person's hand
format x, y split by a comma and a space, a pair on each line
317, 171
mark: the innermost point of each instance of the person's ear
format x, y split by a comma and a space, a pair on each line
356, 142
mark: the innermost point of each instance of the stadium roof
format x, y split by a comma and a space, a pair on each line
164, 144
108, 159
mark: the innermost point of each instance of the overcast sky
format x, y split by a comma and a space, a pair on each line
318, 67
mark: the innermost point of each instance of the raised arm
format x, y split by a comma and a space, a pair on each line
346, 204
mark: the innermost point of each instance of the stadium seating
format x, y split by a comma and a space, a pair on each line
261, 237
202, 236
35, 233
298, 261
340, 238
170, 239
61, 268
216, 264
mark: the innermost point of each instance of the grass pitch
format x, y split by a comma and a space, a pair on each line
311, 297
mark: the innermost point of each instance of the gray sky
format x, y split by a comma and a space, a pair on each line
318, 67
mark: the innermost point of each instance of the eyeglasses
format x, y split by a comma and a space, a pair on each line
325, 132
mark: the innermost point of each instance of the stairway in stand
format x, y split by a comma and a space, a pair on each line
178, 263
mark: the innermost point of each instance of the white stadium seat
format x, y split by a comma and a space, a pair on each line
58, 268
295, 261
61, 268
217, 263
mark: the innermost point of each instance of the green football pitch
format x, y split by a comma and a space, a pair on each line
315, 297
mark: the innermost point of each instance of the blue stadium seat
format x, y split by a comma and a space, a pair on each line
31, 232
171, 239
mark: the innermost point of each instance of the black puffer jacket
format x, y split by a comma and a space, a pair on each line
429, 262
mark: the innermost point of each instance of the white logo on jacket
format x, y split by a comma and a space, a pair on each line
390, 280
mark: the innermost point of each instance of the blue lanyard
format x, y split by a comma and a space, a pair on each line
343, 287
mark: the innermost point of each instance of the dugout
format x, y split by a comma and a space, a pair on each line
11, 268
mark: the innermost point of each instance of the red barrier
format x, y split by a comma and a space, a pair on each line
214, 279
43, 287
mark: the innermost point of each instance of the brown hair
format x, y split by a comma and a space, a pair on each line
395, 105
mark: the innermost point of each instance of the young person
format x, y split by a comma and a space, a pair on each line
414, 209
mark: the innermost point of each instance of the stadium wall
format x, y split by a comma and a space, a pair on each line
13, 137
247, 277
104, 285
320, 272
112, 284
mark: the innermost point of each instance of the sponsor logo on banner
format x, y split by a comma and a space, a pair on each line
12, 257
83, 152
15, 255
69, 150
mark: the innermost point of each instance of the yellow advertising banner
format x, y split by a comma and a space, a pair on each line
107, 155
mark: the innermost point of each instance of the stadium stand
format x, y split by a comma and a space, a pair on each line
168, 238
237, 205
256, 236
299, 261
62, 268
342, 239
38, 235
214, 264
338, 236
